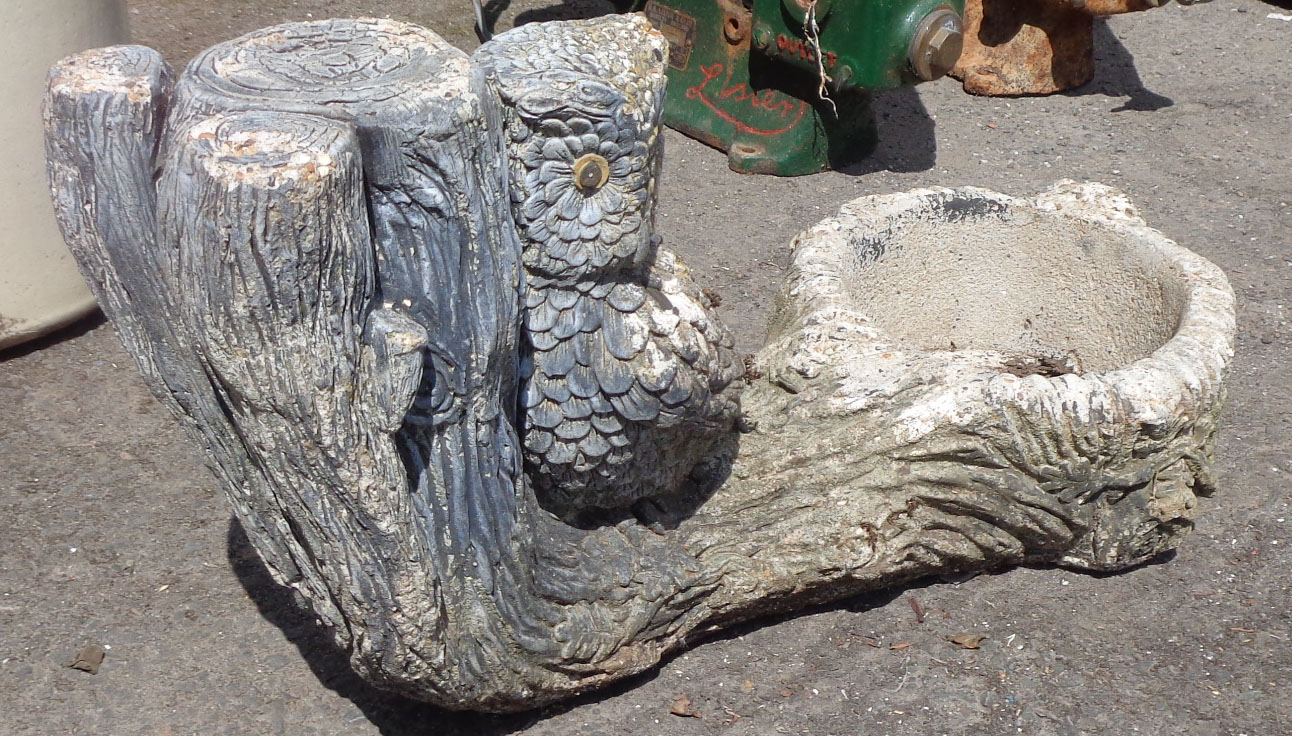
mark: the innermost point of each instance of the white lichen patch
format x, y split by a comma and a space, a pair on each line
956, 405
262, 157
101, 70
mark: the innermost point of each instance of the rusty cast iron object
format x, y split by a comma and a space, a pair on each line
1032, 47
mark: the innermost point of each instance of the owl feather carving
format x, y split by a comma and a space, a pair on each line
630, 378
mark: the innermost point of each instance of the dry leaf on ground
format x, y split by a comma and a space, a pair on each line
682, 707
918, 609
967, 641
88, 658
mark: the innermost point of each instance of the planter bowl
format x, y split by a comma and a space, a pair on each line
1082, 347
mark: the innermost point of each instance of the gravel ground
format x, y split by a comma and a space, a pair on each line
117, 535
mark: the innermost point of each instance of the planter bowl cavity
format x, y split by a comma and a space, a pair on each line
984, 274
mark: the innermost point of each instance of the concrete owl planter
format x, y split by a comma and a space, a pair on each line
411, 304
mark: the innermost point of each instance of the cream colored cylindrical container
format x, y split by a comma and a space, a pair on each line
40, 288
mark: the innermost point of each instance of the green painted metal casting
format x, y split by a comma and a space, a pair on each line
745, 78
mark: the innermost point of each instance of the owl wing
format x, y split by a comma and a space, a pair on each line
627, 387
686, 319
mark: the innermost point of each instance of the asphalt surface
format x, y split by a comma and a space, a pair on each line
116, 535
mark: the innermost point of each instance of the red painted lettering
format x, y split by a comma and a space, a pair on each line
796, 47
790, 109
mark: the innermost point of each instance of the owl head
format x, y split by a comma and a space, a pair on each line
582, 102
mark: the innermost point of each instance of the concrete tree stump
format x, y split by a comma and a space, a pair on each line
332, 280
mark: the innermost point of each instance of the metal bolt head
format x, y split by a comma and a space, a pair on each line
591, 172
735, 27
936, 45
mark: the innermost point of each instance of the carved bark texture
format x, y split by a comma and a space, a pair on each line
326, 284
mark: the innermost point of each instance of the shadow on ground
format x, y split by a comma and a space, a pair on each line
76, 329
907, 135
391, 714
1116, 75
568, 10
394, 715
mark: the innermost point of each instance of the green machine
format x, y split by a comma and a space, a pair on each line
784, 86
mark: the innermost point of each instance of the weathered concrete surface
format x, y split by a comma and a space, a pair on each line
93, 463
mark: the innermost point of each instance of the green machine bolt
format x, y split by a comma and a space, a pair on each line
784, 86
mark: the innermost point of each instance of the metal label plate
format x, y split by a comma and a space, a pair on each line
678, 28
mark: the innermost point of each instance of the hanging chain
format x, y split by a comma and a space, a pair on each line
813, 35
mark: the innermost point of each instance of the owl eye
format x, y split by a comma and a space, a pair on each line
591, 172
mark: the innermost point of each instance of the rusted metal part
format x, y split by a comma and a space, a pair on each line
1032, 47
1116, 7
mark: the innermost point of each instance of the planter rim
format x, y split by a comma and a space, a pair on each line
1179, 378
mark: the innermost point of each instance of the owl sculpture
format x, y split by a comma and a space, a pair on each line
631, 378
